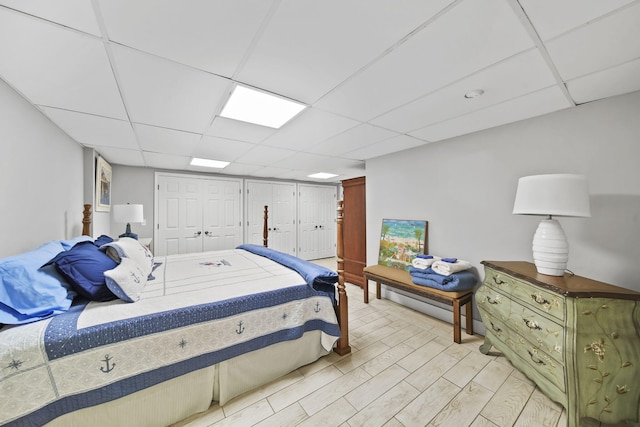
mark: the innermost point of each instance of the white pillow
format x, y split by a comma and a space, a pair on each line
127, 280
135, 264
129, 248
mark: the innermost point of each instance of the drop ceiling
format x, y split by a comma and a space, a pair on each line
143, 82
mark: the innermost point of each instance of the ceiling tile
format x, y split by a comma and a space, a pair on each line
241, 131
610, 82
121, 156
270, 172
262, 155
209, 35
165, 161
309, 47
351, 139
57, 67
76, 14
164, 93
90, 130
604, 43
304, 161
470, 36
166, 141
222, 149
513, 77
398, 143
531, 105
308, 128
241, 169
551, 17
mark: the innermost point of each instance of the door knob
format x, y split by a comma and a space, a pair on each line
197, 233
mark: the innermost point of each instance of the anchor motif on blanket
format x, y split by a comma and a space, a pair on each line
317, 308
240, 328
109, 367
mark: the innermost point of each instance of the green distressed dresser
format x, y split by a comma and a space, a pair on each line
578, 339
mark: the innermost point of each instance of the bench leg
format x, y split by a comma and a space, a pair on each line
469, 313
457, 338
378, 292
365, 288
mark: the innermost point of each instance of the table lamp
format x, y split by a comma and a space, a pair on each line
128, 213
552, 195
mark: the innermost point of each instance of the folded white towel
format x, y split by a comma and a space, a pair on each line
424, 263
447, 268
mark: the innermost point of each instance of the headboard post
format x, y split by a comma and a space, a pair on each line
342, 347
265, 231
86, 220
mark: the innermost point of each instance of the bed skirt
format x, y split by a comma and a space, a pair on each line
174, 400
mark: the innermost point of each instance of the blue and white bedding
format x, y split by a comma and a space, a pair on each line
195, 311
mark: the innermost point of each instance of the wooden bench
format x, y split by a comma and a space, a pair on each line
401, 279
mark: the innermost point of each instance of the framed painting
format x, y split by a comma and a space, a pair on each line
103, 185
401, 241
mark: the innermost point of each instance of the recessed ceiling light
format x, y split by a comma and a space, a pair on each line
473, 93
322, 175
208, 163
261, 108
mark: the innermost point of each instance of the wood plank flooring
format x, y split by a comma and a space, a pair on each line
404, 370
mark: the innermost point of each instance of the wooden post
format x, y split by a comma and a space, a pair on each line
265, 232
343, 305
86, 220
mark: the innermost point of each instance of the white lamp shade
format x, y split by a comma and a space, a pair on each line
128, 213
553, 194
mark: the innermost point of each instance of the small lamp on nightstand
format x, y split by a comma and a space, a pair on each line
128, 213
552, 195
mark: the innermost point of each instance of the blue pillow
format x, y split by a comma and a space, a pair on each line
83, 266
102, 240
29, 293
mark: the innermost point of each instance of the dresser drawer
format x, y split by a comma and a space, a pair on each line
530, 324
533, 358
533, 296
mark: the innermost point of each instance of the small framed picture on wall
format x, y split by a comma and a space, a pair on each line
103, 185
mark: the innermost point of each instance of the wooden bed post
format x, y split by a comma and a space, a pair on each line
86, 220
265, 232
343, 305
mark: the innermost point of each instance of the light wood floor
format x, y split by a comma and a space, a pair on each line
404, 370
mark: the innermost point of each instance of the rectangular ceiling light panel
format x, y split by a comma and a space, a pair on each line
322, 175
261, 108
208, 163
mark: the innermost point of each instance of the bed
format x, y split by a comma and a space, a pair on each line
205, 327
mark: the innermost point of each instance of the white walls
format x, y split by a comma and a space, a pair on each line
465, 188
41, 173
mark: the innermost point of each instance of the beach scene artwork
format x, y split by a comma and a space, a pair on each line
401, 241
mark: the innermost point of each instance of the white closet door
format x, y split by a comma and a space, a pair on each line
316, 214
327, 208
179, 222
308, 233
196, 214
282, 236
222, 221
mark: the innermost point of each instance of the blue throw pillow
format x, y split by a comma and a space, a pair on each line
84, 266
28, 292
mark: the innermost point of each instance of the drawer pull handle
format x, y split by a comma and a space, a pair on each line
498, 281
492, 301
540, 299
532, 324
535, 359
495, 328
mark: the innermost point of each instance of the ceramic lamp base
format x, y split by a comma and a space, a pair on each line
550, 248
